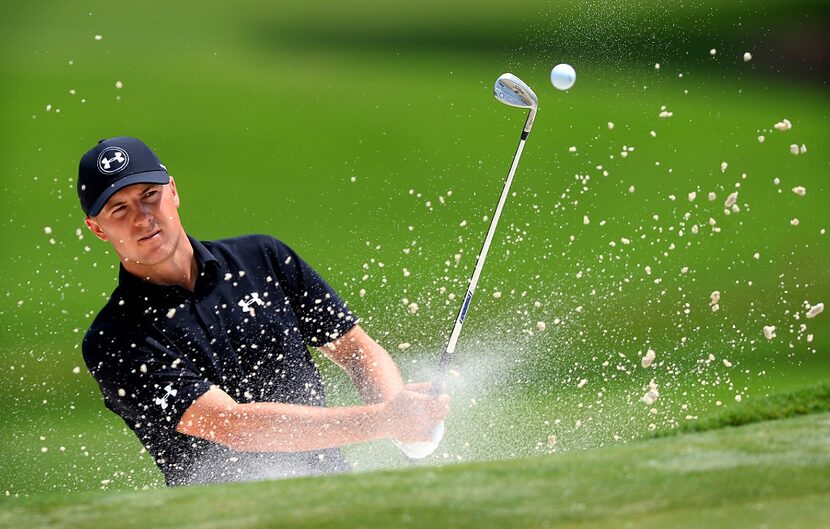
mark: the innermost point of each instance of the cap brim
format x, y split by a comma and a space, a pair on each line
147, 177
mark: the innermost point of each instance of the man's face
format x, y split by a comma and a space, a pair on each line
141, 222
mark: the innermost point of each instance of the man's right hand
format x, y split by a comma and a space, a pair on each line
412, 414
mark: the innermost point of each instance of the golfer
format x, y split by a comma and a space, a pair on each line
202, 348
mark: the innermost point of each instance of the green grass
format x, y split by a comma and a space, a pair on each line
775, 474
802, 401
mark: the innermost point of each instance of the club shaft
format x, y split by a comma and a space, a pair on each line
446, 358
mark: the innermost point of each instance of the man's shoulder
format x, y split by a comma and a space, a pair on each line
246, 247
116, 311
115, 322
241, 243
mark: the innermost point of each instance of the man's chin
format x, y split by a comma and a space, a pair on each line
150, 252
151, 256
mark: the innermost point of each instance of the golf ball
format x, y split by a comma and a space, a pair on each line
563, 76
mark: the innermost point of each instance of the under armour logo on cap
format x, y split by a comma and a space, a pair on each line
112, 160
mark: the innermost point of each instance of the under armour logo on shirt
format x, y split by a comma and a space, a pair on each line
246, 305
112, 160
162, 401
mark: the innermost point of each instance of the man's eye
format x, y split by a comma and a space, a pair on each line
149, 194
119, 209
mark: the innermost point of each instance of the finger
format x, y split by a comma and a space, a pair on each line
417, 397
420, 387
440, 406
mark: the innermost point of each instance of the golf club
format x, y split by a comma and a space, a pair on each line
512, 91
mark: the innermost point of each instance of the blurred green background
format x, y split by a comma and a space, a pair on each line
365, 135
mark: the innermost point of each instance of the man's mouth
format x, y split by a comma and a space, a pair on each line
149, 236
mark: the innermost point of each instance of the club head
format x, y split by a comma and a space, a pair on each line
512, 91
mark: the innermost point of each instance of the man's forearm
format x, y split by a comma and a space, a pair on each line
277, 427
376, 378
370, 367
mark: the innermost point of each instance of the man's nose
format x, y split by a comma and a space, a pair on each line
142, 214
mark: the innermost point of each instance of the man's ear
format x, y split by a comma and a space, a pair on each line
176, 200
95, 228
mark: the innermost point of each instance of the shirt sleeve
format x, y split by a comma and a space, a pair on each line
322, 314
144, 382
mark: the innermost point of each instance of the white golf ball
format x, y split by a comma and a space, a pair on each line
563, 76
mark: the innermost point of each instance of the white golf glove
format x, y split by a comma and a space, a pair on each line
422, 449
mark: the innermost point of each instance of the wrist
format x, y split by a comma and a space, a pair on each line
382, 423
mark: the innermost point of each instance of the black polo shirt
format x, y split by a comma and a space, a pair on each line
246, 328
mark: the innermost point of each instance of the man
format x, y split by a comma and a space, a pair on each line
202, 348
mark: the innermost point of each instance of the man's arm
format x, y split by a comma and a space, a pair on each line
278, 427
370, 367
393, 410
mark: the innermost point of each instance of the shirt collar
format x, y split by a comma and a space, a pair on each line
203, 255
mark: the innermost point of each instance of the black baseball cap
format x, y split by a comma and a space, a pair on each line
112, 165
